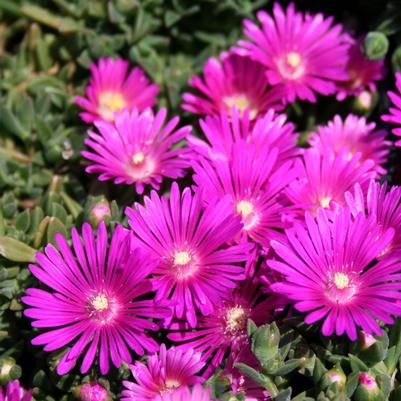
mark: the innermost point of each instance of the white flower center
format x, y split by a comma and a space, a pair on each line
138, 158
244, 208
325, 202
341, 280
241, 102
109, 102
291, 66
181, 258
100, 303
235, 321
293, 59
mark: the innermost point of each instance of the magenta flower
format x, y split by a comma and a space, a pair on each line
254, 183
326, 177
332, 273
14, 392
196, 270
224, 332
198, 393
112, 89
394, 115
99, 299
234, 81
382, 206
355, 135
166, 372
362, 73
139, 148
302, 54
222, 132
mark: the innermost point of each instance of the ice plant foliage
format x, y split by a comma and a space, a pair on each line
354, 134
254, 184
234, 81
270, 129
382, 206
332, 272
195, 271
113, 88
139, 148
394, 115
303, 54
99, 299
223, 333
165, 372
14, 392
362, 73
326, 177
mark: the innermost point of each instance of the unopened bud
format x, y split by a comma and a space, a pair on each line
99, 212
375, 45
368, 390
91, 392
367, 340
9, 370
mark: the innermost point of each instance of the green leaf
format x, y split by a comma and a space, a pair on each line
55, 226
16, 251
10, 122
23, 221
265, 343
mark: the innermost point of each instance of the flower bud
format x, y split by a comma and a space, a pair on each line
9, 370
367, 340
335, 375
372, 350
375, 45
99, 211
91, 392
365, 101
368, 389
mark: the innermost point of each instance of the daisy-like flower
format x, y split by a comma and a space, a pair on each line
14, 392
356, 135
326, 177
332, 273
99, 299
236, 81
164, 373
198, 393
362, 73
394, 115
195, 271
270, 129
253, 182
139, 148
112, 89
384, 207
224, 332
302, 54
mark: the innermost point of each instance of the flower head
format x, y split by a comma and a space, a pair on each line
233, 82
269, 130
99, 299
195, 271
198, 393
164, 373
332, 273
112, 89
302, 53
14, 392
382, 206
224, 332
253, 182
394, 115
356, 135
362, 73
139, 148
326, 177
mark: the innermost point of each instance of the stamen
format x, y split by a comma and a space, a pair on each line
341, 280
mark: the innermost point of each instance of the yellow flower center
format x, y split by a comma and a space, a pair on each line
235, 318
244, 208
341, 280
100, 303
171, 385
293, 59
138, 158
325, 202
181, 258
241, 102
109, 102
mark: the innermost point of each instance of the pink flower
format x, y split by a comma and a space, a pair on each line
164, 373
254, 184
326, 177
99, 299
224, 332
302, 53
269, 130
198, 393
93, 392
14, 392
332, 273
196, 270
394, 115
139, 148
363, 73
112, 89
234, 81
355, 135
382, 206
